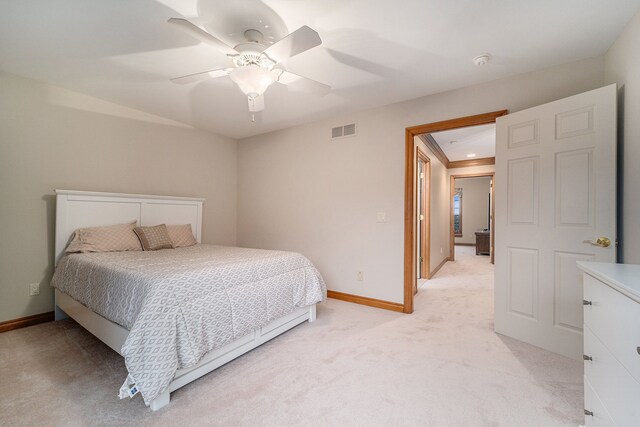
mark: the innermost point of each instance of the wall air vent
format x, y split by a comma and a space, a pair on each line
349, 130
343, 131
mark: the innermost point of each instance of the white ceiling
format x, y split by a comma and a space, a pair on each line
374, 52
458, 143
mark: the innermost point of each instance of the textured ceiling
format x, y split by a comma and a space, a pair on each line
458, 143
373, 53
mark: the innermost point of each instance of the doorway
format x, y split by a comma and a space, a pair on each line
423, 215
477, 226
411, 224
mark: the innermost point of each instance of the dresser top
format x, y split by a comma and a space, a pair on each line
625, 278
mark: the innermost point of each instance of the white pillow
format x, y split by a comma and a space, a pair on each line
112, 238
181, 235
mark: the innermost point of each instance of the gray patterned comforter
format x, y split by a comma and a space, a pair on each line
179, 304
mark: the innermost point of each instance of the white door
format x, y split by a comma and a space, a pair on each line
555, 193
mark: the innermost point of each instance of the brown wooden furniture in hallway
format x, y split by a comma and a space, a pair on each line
483, 243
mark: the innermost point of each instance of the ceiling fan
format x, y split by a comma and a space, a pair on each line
255, 65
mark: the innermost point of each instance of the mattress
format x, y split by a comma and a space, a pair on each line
179, 304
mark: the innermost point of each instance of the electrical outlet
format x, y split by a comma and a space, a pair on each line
34, 289
360, 276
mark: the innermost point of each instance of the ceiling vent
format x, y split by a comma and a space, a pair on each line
343, 131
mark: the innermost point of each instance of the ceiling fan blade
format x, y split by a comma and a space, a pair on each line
304, 38
190, 78
202, 35
256, 104
303, 83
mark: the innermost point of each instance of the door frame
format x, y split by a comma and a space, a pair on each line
409, 190
452, 239
425, 231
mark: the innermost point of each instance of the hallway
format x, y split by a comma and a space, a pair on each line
468, 265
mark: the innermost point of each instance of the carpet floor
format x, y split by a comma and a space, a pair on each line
355, 366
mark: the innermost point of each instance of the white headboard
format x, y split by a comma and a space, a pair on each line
78, 209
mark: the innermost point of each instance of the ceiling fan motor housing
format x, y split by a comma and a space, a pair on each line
250, 52
253, 57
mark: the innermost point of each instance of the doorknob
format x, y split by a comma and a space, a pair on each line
603, 242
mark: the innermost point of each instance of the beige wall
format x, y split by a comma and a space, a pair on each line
299, 190
52, 138
622, 66
439, 220
475, 206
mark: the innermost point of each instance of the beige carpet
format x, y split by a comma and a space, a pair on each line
441, 366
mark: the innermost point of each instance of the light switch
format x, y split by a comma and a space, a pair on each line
382, 217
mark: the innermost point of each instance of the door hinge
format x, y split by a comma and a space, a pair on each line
421, 217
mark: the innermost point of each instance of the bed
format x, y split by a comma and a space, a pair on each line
175, 314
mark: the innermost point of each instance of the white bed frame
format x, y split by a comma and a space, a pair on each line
78, 209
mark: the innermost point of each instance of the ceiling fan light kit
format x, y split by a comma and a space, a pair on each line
255, 64
253, 80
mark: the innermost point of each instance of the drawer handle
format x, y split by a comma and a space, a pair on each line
585, 357
587, 412
638, 349
585, 302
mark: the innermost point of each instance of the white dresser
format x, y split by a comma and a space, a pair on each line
611, 344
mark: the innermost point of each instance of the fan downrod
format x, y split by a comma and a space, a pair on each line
254, 36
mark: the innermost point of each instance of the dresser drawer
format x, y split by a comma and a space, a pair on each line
615, 319
592, 402
619, 392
